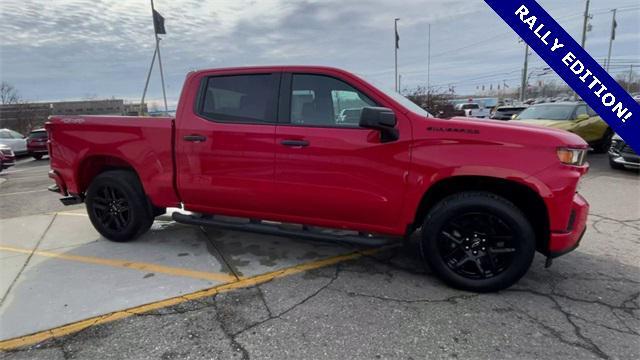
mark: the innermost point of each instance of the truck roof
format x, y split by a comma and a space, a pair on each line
273, 68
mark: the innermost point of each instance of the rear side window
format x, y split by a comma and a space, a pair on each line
240, 98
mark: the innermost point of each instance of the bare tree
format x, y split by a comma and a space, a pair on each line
436, 101
16, 113
8, 94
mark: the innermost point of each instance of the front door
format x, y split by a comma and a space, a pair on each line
225, 145
329, 171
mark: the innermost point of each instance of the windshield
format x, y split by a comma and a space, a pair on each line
547, 112
399, 98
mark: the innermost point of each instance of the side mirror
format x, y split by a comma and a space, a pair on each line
582, 117
381, 119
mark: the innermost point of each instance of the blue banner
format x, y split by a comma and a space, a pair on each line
574, 65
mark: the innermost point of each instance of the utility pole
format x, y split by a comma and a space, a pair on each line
523, 85
397, 45
400, 83
429, 66
611, 38
585, 25
630, 78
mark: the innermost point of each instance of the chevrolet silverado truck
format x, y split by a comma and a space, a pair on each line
271, 144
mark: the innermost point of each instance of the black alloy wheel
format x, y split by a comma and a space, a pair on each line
477, 245
111, 208
477, 241
118, 206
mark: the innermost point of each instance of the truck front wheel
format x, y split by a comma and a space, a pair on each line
117, 206
477, 241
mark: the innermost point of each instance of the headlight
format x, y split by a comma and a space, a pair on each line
574, 157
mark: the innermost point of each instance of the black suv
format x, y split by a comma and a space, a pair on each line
621, 155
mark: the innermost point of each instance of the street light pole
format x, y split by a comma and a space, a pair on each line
613, 35
585, 25
523, 85
395, 27
429, 65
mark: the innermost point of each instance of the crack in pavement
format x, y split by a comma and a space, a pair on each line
303, 301
237, 347
451, 299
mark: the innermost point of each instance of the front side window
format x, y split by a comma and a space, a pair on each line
318, 100
581, 110
240, 98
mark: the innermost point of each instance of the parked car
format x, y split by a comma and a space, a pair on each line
14, 140
575, 117
507, 112
7, 157
267, 143
37, 143
472, 109
622, 156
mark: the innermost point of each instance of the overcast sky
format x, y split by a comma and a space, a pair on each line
74, 49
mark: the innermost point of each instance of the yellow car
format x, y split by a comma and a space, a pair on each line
577, 118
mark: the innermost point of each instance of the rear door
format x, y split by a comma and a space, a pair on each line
225, 144
328, 169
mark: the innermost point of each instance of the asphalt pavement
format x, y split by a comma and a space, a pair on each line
319, 301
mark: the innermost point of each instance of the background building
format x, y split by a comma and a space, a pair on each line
23, 117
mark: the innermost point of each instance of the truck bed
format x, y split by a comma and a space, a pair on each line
80, 146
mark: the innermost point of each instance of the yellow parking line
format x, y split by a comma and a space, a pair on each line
140, 266
243, 283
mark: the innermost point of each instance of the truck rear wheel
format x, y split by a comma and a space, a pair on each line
117, 206
477, 241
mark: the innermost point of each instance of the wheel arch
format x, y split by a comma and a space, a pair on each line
521, 195
94, 165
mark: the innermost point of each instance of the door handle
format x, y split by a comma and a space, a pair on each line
195, 138
295, 143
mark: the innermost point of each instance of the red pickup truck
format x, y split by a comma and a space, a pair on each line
322, 147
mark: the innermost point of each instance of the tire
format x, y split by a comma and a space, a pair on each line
37, 156
117, 206
456, 240
603, 145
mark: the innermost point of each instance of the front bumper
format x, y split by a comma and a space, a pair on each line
8, 162
631, 161
561, 243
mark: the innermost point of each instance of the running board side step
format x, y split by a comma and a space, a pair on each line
270, 228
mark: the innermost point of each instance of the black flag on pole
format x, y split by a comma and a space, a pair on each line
158, 23
613, 29
397, 39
